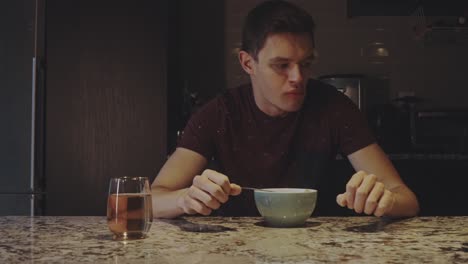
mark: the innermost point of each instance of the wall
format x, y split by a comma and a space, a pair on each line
433, 71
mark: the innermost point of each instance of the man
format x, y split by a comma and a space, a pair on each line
273, 131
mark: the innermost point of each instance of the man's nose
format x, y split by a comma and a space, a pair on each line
295, 74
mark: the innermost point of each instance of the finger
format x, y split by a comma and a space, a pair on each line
374, 198
352, 186
220, 179
189, 211
198, 207
187, 204
363, 191
206, 185
203, 197
341, 199
384, 204
235, 189
182, 202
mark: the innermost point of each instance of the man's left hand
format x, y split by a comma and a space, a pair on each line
365, 194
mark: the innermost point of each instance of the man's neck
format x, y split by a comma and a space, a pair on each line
265, 106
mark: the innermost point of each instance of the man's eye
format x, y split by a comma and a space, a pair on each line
306, 64
281, 66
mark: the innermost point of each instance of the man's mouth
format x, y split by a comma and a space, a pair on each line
295, 93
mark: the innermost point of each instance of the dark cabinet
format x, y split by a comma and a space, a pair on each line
105, 103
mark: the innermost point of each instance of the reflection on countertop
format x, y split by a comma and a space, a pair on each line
237, 240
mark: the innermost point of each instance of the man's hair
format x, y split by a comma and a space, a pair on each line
270, 17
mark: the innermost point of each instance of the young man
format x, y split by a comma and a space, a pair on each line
278, 131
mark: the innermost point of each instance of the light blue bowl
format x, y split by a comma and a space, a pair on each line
285, 207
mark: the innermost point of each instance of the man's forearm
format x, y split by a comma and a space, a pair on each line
405, 203
165, 202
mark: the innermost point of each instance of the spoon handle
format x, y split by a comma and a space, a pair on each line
255, 189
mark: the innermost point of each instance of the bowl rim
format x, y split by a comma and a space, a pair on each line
286, 190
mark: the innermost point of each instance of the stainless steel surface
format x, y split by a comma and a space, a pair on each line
33, 130
348, 85
18, 22
364, 91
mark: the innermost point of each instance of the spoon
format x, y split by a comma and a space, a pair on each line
256, 189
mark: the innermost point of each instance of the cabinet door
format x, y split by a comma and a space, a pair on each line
105, 101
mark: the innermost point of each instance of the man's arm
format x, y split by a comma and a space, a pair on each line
377, 188
179, 188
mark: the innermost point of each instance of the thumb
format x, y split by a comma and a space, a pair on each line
235, 189
341, 199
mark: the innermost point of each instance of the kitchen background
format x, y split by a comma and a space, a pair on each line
96, 89
430, 66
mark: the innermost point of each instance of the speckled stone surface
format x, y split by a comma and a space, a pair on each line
237, 240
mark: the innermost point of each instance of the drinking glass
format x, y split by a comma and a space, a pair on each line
129, 208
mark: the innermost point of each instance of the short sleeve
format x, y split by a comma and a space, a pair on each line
198, 134
352, 128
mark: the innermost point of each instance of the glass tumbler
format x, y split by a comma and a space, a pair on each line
129, 208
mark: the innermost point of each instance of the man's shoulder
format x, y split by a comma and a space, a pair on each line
235, 93
320, 93
228, 100
326, 99
317, 86
234, 98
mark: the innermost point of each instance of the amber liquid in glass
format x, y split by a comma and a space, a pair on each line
129, 215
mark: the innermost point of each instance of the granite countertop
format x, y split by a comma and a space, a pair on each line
48, 239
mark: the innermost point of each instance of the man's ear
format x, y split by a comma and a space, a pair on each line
246, 61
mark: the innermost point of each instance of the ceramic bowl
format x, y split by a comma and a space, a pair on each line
285, 207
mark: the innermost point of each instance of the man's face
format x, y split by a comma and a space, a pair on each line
280, 73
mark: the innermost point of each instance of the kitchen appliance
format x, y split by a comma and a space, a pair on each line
440, 131
371, 94
365, 91
20, 188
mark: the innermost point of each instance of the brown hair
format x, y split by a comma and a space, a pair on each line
274, 16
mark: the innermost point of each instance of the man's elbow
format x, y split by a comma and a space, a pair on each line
415, 208
405, 204
412, 206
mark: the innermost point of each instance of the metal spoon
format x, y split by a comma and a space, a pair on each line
256, 189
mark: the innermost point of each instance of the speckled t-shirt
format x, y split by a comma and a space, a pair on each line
254, 149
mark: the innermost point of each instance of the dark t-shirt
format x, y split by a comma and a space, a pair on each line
254, 149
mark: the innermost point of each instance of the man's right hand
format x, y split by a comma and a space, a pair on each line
208, 191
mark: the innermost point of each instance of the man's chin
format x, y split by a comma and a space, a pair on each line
294, 107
